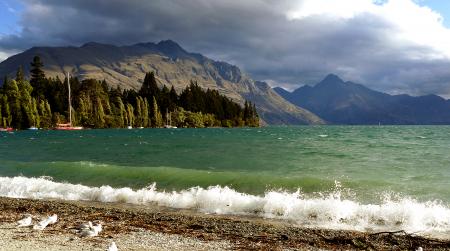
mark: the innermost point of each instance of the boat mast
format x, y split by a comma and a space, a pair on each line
70, 102
167, 117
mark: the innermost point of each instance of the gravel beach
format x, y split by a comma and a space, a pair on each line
151, 227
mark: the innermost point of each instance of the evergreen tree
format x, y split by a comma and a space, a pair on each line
37, 80
20, 75
149, 87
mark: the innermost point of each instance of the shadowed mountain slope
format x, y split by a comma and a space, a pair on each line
342, 102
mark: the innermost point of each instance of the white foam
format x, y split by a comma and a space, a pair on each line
328, 211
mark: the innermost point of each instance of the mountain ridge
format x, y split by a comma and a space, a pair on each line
173, 66
345, 102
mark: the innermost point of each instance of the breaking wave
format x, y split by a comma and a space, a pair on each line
325, 211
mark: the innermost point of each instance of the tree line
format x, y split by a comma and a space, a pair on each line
43, 102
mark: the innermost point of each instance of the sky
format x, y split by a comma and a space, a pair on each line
396, 46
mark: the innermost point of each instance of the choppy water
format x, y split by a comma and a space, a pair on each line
362, 177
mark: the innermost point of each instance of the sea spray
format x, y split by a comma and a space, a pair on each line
326, 211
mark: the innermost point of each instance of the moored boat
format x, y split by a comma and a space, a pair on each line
68, 126
7, 129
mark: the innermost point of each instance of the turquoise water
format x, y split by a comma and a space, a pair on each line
364, 162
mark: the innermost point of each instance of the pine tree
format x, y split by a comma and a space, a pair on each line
37, 80
149, 87
173, 99
20, 75
36, 71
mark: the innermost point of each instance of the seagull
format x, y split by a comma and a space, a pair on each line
97, 227
41, 225
112, 247
90, 230
84, 226
52, 219
88, 233
25, 222
44, 223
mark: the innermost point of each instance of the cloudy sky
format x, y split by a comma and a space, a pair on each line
398, 46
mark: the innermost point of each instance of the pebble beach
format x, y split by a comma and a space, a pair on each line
149, 227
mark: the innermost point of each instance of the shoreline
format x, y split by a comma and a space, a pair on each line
207, 231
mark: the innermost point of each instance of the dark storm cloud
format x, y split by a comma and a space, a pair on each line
253, 34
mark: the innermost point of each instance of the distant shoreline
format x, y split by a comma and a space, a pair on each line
222, 232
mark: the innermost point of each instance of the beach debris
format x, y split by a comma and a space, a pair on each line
419, 249
112, 247
90, 230
25, 222
44, 223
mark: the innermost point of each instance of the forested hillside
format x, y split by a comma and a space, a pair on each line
43, 102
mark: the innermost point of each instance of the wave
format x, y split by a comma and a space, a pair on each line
326, 211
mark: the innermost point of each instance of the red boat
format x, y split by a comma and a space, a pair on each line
7, 129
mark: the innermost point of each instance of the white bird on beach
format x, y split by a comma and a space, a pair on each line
25, 222
44, 223
90, 230
52, 219
84, 226
97, 227
112, 247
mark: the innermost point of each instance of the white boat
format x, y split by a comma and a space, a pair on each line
33, 128
129, 127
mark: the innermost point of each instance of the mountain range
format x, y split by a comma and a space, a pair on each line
340, 102
332, 100
126, 66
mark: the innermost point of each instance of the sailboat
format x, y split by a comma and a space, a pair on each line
68, 126
168, 121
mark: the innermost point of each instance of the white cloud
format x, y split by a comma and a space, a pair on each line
409, 22
4, 55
